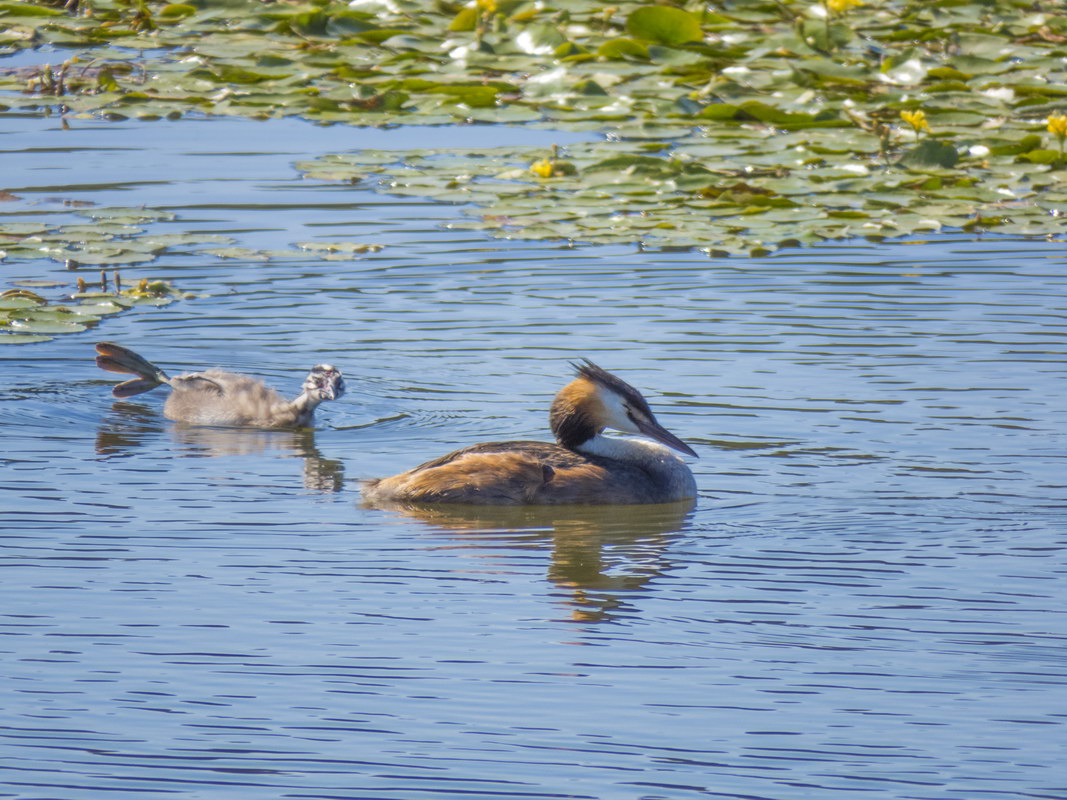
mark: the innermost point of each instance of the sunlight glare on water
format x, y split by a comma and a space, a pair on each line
867, 598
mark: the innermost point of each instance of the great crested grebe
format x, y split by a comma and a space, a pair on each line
217, 397
583, 468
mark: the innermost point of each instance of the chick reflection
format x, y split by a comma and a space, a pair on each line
600, 554
126, 428
130, 426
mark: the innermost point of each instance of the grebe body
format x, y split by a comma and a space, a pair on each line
583, 467
218, 397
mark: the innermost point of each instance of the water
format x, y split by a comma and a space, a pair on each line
867, 599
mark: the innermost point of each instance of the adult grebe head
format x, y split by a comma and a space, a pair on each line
596, 400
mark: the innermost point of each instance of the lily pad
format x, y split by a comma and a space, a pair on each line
27, 10
39, 283
930, 153
237, 253
664, 25
21, 338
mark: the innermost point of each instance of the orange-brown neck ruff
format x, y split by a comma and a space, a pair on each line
574, 415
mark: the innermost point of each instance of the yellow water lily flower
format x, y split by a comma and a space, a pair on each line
841, 6
1057, 125
543, 168
552, 166
917, 120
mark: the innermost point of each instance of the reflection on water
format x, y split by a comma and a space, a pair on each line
599, 554
126, 428
866, 600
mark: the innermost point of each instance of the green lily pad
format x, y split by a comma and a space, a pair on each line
931, 153
14, 303
96, 309
22, 338
39, 283
177, 11
27, 10
622, 48
339, 248
237, 253
1040, 156
40, 326
664, 25
167, 240
20, 229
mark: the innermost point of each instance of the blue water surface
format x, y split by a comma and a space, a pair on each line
867, 599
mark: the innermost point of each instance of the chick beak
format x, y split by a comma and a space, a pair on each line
333, 387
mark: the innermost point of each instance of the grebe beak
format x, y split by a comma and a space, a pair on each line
654, 430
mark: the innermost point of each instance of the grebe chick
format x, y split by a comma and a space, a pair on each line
584, 467
217, 397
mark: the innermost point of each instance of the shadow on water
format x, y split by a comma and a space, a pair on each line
600, 555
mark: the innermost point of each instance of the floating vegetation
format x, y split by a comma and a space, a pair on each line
736, 126
339, 251
113, 237
744, 198
109, 237
27, 317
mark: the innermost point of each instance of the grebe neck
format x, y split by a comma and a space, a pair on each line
619, 448
668, 478
306, 401
572, 417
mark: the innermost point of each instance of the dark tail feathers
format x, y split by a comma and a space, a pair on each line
116, 358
